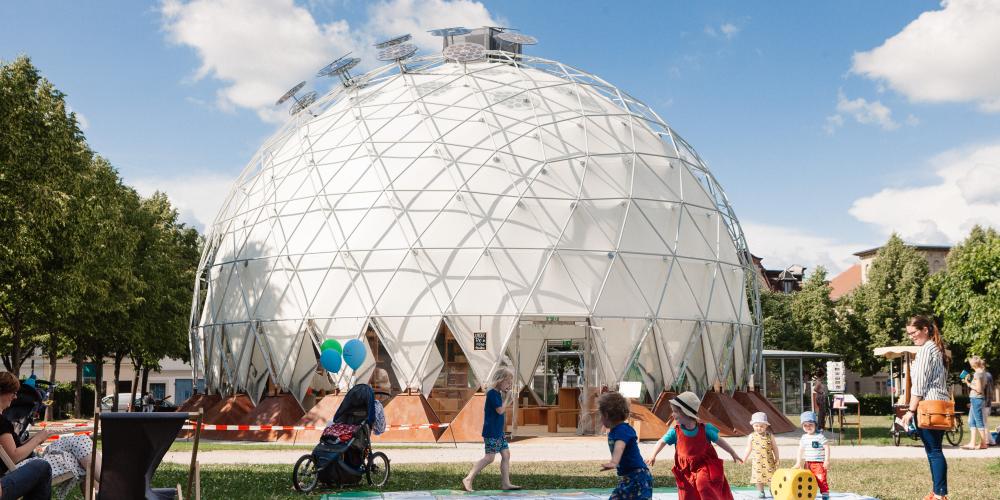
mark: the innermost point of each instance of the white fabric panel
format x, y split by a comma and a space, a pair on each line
407, 338
618, 340
621, 296
430, 371
530, 342
556, 291
498, 331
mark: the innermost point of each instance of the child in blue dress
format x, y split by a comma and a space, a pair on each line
493, 435
634, 481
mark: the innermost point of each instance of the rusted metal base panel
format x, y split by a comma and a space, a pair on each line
662, 408
282, 409
467, 426
754, 401
413, 410
724, 412
317, 416
203, 401
232, 410
647, 425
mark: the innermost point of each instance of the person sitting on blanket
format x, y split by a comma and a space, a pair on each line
68, 454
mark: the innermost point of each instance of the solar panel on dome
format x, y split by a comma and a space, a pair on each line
518, 38
456, 31
339, 66
291, 93
464, 52
393, 41
397, 52
303, 102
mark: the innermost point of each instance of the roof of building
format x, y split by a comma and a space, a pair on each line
845, 282
925, 248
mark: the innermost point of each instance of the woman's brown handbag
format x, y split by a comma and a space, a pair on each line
936, 415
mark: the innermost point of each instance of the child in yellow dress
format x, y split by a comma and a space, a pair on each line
762, 446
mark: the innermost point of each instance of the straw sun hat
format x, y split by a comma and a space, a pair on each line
687, 402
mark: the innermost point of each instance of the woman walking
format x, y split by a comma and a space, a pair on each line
930, 375
977, 399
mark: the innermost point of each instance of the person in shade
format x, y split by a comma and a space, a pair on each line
32, 481
634, 479
497, 400
697, 467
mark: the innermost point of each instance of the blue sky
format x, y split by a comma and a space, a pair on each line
829, 125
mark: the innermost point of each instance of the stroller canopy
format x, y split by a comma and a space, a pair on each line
357, 407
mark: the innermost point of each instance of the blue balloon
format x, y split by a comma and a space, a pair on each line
354, 353
330, 359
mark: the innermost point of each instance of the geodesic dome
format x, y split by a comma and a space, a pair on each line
487, 197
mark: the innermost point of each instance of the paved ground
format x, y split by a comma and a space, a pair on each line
559, 449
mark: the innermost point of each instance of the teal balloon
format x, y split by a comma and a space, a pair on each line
330, 359
331, 344
354, 353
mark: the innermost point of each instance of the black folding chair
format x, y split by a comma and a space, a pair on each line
133, 444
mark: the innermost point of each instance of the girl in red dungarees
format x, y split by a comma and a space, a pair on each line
697, 467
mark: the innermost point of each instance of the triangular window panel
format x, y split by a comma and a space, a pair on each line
408, 292
526, 351
619, 340
492, 333
664, 217
378, 268
556, 292
408, 338
691, 242
699, 276
483, 292
640, 236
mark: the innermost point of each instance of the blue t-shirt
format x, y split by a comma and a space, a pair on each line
710, 430
492, 421
631, 459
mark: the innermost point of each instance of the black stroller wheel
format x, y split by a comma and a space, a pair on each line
895, 437
378, 469
304, 475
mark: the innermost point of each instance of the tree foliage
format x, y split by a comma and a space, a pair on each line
87, 266
968, 294
897, 288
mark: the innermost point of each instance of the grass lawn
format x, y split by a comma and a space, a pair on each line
875, 430
886, 479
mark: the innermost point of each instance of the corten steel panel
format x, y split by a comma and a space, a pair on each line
409, 409
647, 425
753, 401
724, 412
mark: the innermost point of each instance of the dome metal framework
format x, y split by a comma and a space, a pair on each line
503, 199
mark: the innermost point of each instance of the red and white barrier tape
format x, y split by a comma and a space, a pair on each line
63, 424
225, 427
78, 433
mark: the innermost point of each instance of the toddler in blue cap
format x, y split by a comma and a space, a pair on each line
814, 453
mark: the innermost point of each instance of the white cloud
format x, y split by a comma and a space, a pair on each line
729, 30
196, 197
947, 55
781, 247
967, 192
863, 111
260, 48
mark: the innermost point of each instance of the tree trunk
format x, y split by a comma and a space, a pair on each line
135, 385
145, 379
118, 369
53, 359
78, 390
98, 381
16, 332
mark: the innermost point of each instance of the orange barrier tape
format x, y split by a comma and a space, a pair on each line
63, 424
78, 433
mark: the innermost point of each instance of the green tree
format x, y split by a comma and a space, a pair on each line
781, 329
968, 294
897, 288
42, 157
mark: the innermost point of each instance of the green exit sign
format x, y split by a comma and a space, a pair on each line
552, 318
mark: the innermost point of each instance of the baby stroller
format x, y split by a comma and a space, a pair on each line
27, 408
344, 453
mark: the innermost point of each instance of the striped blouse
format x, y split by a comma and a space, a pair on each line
930, 381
